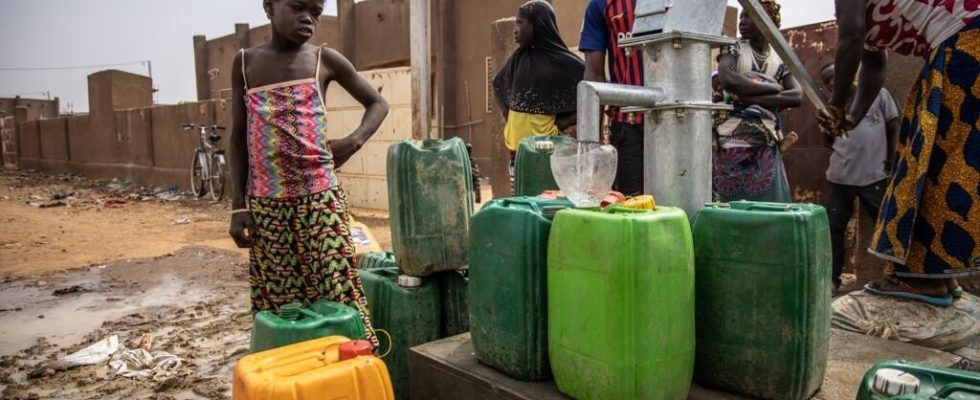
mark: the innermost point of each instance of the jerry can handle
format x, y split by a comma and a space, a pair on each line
310, 313
432, 144
618, 209
955, 387
507, 202
773, 207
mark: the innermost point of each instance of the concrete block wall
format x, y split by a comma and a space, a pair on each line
134, 132
53, 137
363, 177
8, 142
148, 145
30, 144
81, 146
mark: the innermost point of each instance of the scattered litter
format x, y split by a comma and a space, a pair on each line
70, 290
114, 202
145, 342
140, 363
50, 204
97, 353
3, 310
62, 196
169, 194
180, 221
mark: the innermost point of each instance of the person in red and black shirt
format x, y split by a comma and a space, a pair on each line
605, 22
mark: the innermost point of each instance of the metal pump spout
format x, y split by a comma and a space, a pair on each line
593, 95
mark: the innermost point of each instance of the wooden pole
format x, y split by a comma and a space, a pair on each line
420, 38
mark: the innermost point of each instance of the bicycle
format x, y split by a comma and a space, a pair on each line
208, 163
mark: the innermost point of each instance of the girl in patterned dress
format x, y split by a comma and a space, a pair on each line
929, 223
288, 206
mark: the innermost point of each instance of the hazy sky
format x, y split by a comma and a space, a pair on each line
65, 33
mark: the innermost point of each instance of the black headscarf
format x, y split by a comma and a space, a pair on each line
541, 77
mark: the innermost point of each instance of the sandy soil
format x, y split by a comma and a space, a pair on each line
81, 260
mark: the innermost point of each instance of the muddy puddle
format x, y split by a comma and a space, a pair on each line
193, 304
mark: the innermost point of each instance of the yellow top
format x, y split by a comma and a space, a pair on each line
521, 125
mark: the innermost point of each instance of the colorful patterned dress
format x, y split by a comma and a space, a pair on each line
929, 223
303, 250
748, 164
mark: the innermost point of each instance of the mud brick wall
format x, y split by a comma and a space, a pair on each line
8, 142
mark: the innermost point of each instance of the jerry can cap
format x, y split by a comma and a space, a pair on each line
290, 312
354, 348
544, 145
549, 211
409, 281
895, 382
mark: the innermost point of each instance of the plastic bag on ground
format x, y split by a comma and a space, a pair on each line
99, 352
139, 363
909, 321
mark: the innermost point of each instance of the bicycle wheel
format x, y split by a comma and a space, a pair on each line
198, 173
216, 183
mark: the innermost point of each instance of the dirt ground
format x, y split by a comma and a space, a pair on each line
81, 260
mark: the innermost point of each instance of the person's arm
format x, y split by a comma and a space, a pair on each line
892, 125
790, 97
501, 103
375, 106
874, 68
242, 225
851, 32
595, 66
566, 120
739, 84
594, 40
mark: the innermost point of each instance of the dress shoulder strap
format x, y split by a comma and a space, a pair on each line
244, 78
316, 75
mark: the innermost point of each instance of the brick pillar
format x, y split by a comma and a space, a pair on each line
201, 67
501, 46
20, 116
8, 143
242, 39
347, 27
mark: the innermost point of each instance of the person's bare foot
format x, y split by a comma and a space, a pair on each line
928, 287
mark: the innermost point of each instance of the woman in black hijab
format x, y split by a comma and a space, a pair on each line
536, 88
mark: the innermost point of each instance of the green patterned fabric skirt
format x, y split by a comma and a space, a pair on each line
304, 252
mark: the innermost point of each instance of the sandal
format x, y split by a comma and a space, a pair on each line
909, 293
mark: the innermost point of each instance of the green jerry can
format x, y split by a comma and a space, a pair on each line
295, 323
430, 197
763, 309
406, 308
895, 380
532, 165
621, 303
453, 288
508, 285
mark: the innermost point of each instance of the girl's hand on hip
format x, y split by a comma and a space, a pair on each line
242, 229
343, 149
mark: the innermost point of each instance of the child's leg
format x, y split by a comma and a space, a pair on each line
329, 249
274, 265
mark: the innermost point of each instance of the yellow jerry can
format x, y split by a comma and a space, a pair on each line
311, 370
